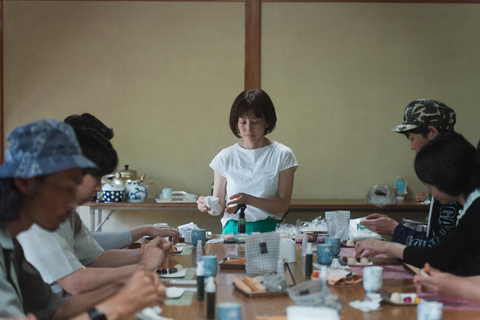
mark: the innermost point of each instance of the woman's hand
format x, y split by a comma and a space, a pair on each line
441, 283
237, 199
370, 248
154, 231
153, 253
202, 204
380, 223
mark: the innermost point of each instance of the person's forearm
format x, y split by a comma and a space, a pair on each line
76, 306
276, 206
116, 258
89, 279
395, 249
468, 288
138, 232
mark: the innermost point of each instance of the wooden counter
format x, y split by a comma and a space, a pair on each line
296, 205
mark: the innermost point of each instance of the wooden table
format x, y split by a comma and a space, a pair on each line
296, 205
252, 307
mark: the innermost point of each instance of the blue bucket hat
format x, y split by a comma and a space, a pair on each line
40, 148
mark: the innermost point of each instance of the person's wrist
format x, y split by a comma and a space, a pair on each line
113, 310
394, 226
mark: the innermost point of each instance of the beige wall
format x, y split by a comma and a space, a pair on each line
164, 75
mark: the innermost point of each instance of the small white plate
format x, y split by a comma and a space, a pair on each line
179, 274
179, 249
174, 292
412, 296
181, 244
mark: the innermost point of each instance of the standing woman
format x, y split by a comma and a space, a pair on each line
256, 171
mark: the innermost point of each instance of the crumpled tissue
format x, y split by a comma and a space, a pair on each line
186, 230
213, 204
150, 314
370, 303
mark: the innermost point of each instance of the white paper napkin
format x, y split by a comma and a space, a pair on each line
371, 303
150, 314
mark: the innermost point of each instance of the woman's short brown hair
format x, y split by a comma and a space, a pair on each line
254, 101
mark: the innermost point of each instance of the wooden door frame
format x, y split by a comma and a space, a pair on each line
253, 41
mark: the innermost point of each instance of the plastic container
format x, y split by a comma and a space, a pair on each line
314, 293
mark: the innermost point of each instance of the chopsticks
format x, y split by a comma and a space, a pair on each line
290, 272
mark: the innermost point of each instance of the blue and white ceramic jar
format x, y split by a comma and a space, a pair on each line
136, 192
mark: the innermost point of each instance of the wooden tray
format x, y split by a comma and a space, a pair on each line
262, 294
224, 265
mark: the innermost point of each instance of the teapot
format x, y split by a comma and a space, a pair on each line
122, 177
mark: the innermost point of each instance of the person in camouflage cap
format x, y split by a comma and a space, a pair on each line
423, 120
425, 113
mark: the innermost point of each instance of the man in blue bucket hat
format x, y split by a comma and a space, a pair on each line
38, 182
70, 259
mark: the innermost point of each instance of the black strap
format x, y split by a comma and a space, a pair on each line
6, 255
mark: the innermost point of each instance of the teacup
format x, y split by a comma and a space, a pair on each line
335, 243
229, 311
372, 279
166, 193
198, 234
324, 254
210, 265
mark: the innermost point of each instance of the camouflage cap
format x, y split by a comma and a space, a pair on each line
427, 112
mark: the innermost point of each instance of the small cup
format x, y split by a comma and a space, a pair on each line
324, 254
199, 234
210, 265
229, 311
335, 243
372, 279
429, 310
166, 193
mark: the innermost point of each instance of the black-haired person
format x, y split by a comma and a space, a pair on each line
423, 120
449, 167
121, 238
38, 181
256, 171
448, 285
61, 256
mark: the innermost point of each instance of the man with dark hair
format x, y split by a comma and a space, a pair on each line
60, 256
82, 124
423, 120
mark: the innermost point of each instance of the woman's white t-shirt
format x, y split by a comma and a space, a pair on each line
255, 172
